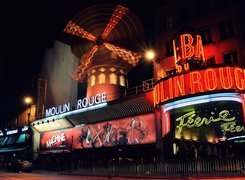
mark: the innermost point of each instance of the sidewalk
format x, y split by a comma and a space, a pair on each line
151, 176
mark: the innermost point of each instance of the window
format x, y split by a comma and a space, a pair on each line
92, 80
102, 69
231, 58
4, 141
171, 72
113, 78
206, 35
11, 140
122, 81
101, 78
1, 141
21, 138
167, 23
226, 29
169, 49
112, 69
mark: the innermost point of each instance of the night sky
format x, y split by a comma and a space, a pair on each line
29, 28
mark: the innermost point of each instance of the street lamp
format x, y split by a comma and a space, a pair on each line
28, 101
150, 55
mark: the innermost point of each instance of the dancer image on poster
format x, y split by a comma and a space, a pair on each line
96, 141
82, 137
122, 140
88, 137
108, 135
136, 132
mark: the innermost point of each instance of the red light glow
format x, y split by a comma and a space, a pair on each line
211, 79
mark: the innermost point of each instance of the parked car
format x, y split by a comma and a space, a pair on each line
20, 165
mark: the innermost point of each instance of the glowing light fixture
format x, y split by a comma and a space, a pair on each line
150, 55
28, 100
202, 99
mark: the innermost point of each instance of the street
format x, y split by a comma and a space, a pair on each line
54, 176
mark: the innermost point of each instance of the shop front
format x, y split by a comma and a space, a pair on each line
204, 126
202, 108
120, 132
15, 144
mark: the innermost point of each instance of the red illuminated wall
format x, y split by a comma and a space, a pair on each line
211, 20
127, 131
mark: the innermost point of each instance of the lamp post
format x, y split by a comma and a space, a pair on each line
150, 55
28, 101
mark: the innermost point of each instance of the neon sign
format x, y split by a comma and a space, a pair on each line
81, 103
12, 132
191, 120
232, 127
211, 79
25, 128
186, 48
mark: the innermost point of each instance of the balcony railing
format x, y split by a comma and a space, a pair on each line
146, 85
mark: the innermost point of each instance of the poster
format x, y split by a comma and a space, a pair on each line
126, 131
60, 140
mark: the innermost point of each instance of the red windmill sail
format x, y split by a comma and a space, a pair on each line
130, 57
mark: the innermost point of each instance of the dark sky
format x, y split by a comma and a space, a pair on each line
29, 28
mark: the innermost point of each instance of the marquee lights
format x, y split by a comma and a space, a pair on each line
49, 121
211, 79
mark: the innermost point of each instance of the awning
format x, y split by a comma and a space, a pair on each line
115, 110
12, 149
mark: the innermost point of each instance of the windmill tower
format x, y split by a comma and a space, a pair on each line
100, 37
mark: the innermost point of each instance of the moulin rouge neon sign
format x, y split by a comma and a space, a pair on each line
211, 79
81, 103
191, 120
189, 54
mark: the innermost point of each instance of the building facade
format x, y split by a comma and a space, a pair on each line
193, 109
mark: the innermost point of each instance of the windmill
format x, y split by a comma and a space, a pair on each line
102, 58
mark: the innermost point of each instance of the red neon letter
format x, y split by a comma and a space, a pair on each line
179, 86
170, 88
195, 78
199, 48
239, 78
186, 46
225, 80
163, 92
210, 79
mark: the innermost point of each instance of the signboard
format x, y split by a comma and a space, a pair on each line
9, 132
81, 103
60, 140
50, 125
188, 51
126, 131
207, 80
208, 122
